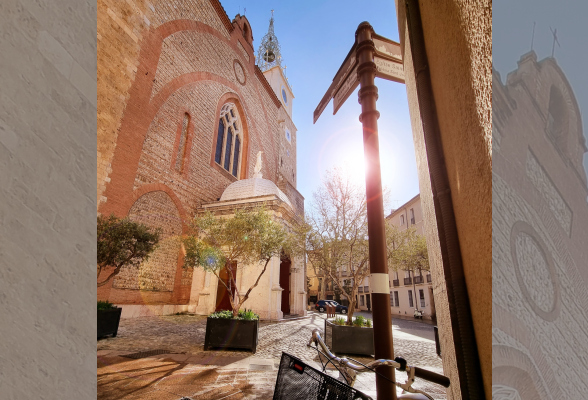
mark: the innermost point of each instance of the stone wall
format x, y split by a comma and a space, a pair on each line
458, 41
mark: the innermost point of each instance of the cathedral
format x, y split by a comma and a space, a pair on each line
539, 233
186, 112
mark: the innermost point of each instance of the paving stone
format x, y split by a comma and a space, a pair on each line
196, 373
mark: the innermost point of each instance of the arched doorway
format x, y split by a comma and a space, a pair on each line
223, 301
285, 264
155, 209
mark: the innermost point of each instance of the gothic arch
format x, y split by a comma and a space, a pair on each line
232, 97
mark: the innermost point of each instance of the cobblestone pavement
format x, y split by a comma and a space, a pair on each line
185, 370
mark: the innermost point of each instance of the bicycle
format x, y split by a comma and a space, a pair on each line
317, 384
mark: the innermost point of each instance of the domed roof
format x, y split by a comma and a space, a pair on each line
253, 187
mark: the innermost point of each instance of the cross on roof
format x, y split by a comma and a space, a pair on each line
554, 33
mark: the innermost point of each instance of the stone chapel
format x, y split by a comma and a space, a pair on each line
184, 109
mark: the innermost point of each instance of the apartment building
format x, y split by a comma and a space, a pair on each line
408, 292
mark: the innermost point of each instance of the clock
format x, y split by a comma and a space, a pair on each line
284, 96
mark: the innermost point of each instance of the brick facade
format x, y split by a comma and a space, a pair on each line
166, 68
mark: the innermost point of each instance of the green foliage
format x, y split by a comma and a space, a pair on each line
340, 321
406, 249
123, 243
247, 315
227, 314
105, 305
362, 322
359, 321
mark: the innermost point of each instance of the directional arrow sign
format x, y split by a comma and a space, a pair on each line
348, 87
388, 59
387, 48
389, 66
340, 77
388, 69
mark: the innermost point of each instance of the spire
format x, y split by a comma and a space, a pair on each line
268, 54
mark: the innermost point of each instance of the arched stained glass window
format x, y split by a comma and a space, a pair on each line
229, 140
219, 141
236, 155
228, 149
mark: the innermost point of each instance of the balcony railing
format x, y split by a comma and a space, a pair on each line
408, 281
360, 290
418, 279
396, 282
429, 278
366, 289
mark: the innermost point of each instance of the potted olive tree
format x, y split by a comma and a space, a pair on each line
122, 243
247, 240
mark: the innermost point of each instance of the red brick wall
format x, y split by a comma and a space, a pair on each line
186, 64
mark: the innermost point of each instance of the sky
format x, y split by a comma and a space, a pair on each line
315, 36
513, 31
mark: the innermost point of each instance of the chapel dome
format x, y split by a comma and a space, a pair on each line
254, 187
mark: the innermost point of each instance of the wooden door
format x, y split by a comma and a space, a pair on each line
285, 284
223, 301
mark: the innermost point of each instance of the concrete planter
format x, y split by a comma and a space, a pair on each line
231, 334
349, 339
108, 321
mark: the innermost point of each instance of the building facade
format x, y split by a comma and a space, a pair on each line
408, 292
539, 240
183, 112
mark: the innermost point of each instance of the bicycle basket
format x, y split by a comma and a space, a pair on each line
297, 380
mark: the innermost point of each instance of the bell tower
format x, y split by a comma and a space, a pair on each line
270, 61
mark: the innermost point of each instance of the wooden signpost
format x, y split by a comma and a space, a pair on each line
371, 56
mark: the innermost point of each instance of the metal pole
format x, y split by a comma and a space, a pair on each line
368, 94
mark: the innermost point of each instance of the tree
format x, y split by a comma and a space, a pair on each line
407, 251
123, 243
335, 235
248, 238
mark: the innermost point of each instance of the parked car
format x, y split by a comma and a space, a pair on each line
340, 307
321, 306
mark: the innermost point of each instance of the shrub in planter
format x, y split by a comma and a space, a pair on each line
108, 319
223, 331
356, 339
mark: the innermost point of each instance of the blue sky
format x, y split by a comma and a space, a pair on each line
315, 37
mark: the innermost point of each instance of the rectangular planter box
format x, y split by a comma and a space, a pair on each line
231, 334
349, 339
108, 321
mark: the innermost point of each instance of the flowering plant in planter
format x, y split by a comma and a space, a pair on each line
246, 315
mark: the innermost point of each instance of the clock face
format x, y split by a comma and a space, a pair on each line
284, 96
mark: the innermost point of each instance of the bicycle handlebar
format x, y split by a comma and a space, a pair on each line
431, 376
419, 372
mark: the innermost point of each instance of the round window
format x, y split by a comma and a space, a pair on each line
284, 96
